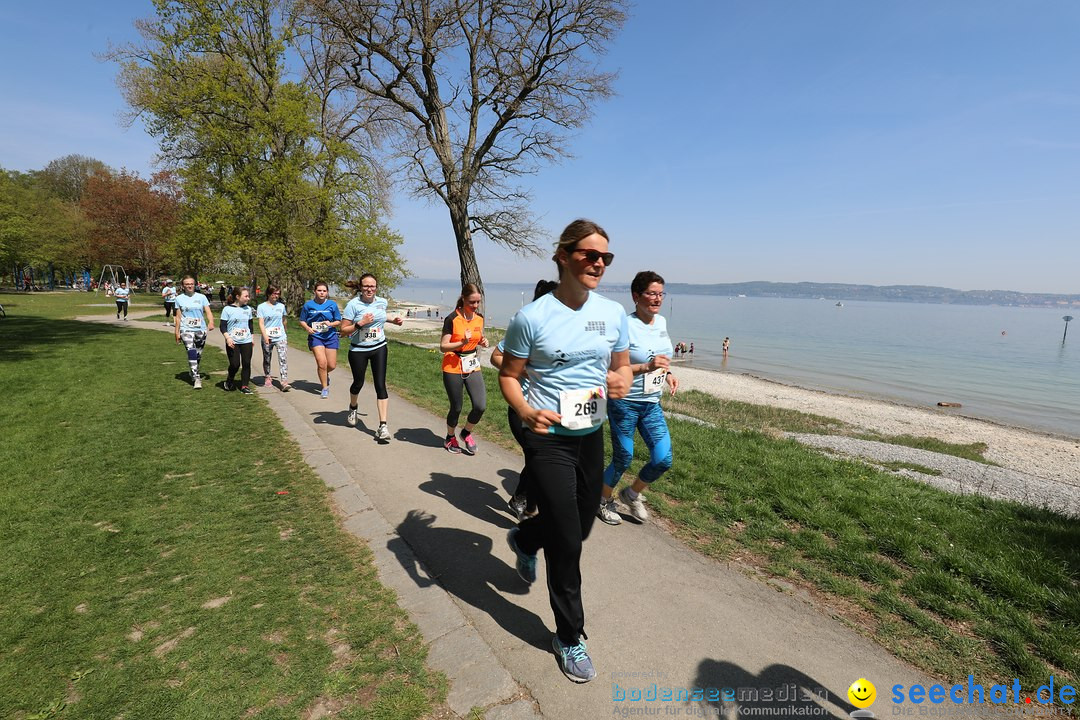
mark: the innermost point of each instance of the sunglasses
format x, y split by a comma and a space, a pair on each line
591, 256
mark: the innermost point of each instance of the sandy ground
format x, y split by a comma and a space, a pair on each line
1026, 451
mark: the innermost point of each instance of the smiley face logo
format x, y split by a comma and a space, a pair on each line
862, 693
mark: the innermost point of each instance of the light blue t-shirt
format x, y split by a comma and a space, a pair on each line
237, 323
273, 317
314, 312
647, 341
370, 336
190, 310
122, 294
567, 351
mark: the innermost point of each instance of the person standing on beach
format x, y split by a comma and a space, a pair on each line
523, 501
640, 411
320, 318
726, 345
271, 314
573, 347
236, 326
463, 334
363, 321
122, 293
192, 309
168, 296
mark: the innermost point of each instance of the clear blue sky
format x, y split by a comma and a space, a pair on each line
894, 141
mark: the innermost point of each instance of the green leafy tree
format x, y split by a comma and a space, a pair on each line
262, 179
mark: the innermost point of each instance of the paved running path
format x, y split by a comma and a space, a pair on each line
656, 612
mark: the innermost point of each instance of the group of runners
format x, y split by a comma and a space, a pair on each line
570, 359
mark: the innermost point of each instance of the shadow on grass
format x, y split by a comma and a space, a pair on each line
776, 690
28, 338
461, 562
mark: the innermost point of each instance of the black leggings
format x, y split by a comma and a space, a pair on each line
473, 383
121, 306
240, 359
519, 431
170, 308
358, 361
567, 474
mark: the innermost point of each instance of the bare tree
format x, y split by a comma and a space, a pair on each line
473, 94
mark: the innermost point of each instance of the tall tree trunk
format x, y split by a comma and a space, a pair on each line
459, 218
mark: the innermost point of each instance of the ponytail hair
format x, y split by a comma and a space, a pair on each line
466, 290
235, 294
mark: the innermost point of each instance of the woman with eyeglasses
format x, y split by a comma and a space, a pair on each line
650, 362
572, 346
363, 321
463, 334
271, 314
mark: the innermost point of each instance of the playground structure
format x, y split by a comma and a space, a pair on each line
115, 274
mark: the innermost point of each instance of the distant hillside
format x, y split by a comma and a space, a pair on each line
886, 293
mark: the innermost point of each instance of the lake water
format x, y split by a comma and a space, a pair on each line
1002, 363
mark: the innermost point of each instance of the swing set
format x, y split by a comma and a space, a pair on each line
114, 273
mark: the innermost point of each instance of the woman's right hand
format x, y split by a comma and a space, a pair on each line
540, 420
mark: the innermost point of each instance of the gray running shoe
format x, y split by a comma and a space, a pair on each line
517, 506
383, 434
350, 419
197, 383
228, 386
525, 564
608, 514
574, 660
637, 507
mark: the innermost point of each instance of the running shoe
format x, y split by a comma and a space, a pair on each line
350, 419
573, 660
452, 446
637, 507
468, 444
197, 383
245, 390
285, 387
268, 381
525, 564
608, 514
383, 434
228, 386
517, 506
325, 393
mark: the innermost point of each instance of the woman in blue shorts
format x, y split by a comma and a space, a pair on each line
236, 325
320, 318
573, 347
640, 411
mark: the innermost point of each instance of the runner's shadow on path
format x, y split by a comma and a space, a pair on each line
793, 692
306, 386
330, 417
510, 481
461, 562
472, 496
422, 436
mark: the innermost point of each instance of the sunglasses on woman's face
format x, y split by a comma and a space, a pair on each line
591, 256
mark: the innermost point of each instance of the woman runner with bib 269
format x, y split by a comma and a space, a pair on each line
363, 322
236, 322
463, 333
572, 344
320, 318
650, 361
193, 320
271, 316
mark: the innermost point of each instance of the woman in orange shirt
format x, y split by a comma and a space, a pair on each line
463, 333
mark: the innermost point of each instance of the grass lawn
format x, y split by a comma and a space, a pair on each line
955, 585
167, 553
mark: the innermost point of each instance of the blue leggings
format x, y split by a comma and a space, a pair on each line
647, 418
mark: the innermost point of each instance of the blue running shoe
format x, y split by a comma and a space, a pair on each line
526, 564
573, 660
325, 393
